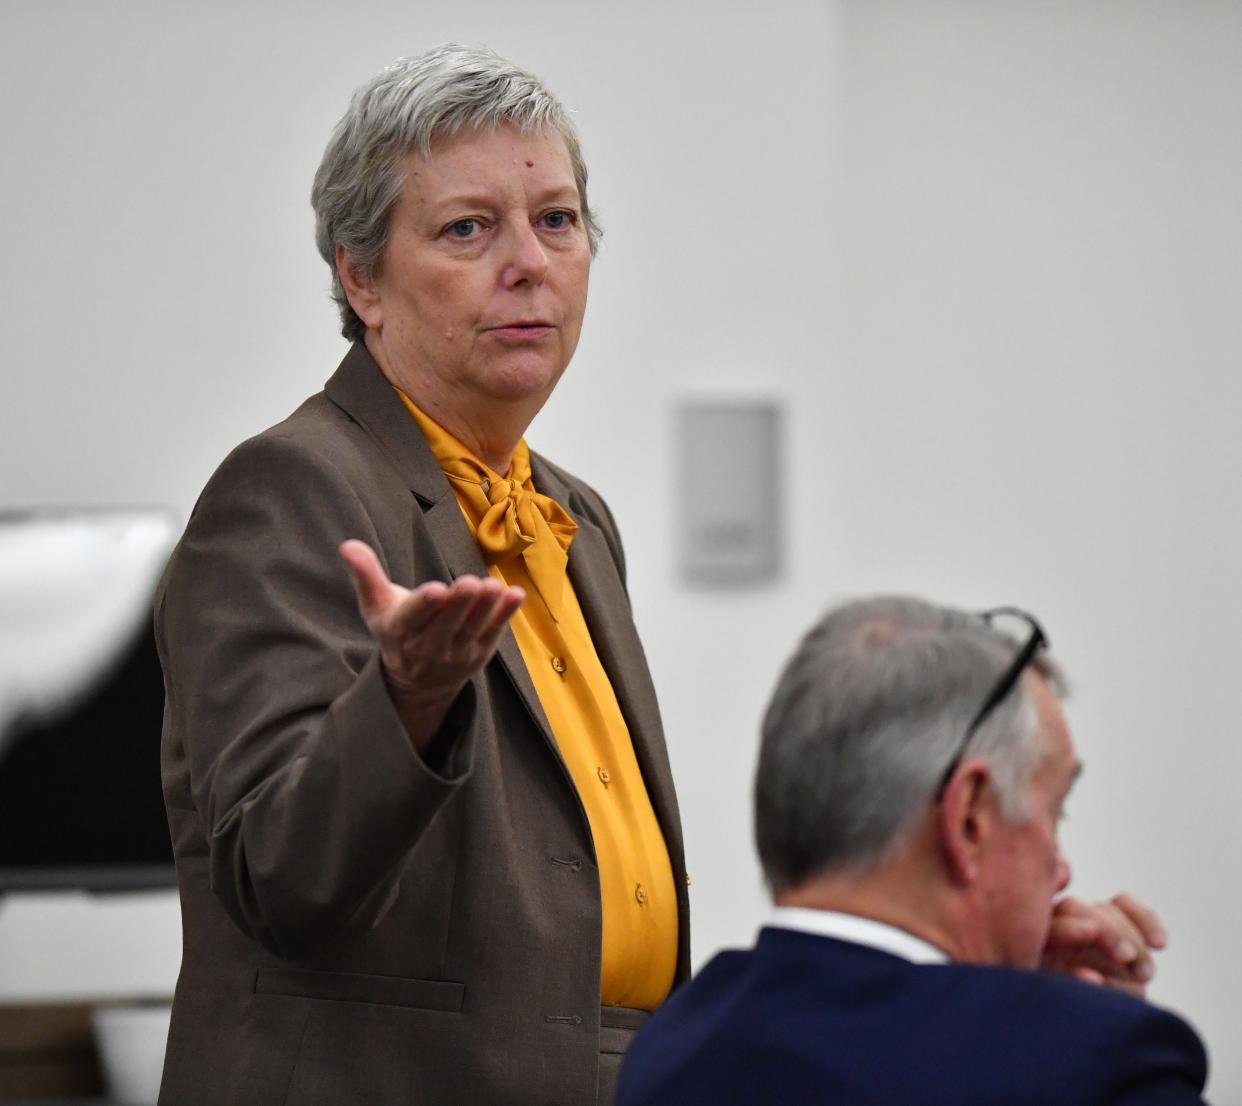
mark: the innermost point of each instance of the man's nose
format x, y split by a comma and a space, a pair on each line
1063, 874
526, 260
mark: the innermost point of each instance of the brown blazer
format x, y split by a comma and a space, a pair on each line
361, 926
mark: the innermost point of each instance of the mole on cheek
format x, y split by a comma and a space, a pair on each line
530, 165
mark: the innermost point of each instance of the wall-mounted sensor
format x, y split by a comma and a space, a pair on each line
730, 494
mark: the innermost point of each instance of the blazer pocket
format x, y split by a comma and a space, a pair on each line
380, 990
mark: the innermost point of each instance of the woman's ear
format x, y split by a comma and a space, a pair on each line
360, 290
965, 818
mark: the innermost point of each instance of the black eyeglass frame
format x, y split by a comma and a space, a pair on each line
1008, 680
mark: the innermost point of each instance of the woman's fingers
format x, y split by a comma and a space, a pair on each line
437, 635
444, 634
376, 593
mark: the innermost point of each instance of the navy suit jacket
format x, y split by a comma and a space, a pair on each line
803, 1019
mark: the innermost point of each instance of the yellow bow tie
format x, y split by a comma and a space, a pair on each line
518, 517
513, 520
509, 517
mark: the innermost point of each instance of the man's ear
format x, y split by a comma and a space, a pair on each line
965, 817
360, 290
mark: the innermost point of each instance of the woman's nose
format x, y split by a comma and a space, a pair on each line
527, 259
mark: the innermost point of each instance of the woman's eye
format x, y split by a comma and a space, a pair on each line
557, 220
463, 228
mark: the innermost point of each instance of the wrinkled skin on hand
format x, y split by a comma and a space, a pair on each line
1108, 943
432, 639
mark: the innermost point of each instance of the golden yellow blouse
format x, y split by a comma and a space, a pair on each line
524, 538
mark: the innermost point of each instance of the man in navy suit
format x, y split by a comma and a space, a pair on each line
915, 763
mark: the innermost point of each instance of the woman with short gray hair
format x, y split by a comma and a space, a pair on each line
426, 836
406, 108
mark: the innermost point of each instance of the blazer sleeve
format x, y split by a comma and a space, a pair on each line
1160, 1062
278, 723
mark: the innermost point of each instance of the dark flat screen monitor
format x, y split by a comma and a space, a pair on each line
80, 799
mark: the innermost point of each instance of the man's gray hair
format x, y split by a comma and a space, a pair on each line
866, 718
406, 109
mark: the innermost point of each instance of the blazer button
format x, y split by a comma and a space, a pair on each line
640, 893
558, 664
605, 777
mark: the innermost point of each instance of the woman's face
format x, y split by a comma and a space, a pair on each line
479, 297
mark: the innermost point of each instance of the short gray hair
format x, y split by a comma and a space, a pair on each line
406, 109
866, 718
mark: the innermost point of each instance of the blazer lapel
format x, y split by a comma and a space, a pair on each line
361, 390
601, 594
461, 557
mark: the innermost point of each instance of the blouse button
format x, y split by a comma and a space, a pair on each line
640, 893
605, 777
558, 663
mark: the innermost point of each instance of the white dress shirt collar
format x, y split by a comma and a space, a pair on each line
860, 931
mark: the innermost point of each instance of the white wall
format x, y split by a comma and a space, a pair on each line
987, 253
1037, 399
